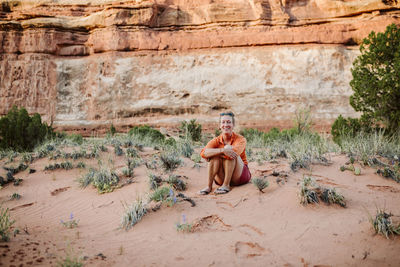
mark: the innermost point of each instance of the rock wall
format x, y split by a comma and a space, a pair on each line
86, 64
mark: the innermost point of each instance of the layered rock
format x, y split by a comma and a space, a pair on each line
86, 64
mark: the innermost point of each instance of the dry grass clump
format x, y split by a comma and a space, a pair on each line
104, 180
383, 224
133, 214
170, 161
5, 224
311, 192
154, 181
260, 183
176, 182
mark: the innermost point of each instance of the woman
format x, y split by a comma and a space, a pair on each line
226, 155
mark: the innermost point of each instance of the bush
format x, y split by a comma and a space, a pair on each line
21, 132
133, 214
191, 130
144, 132
375, 80
104, 180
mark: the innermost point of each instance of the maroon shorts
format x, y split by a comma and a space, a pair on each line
246, 175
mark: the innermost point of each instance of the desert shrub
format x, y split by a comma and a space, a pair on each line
260, 183
176, 183
15, 170
170, 161
146, 132
75, 138
347, 127
307, 194
154, 181
330, 196
21, 132
5, 224
382, 224
191, 130
160, 194
118, 150
185, 148
133, 214
104, 180
112, 130
375, 82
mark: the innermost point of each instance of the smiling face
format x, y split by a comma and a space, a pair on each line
226, 124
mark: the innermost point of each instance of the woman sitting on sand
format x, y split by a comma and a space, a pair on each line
227, 158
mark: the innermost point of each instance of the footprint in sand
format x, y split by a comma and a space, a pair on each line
59, 190
210, 223
383, 188
248, 249
253, 228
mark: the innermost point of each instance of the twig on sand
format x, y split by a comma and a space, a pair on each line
303, 233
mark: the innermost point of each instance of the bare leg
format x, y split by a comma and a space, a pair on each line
233, 170
214, 173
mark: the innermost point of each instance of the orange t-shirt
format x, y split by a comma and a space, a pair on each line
238, 143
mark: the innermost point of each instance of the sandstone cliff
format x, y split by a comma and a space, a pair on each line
86, 64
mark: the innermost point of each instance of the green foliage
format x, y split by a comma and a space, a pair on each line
71, 223
307, 194
21, 132
75, 138
160, 194
375, 80
330, 196
146, 132
154, 181
191, 130
5, 224
348, 127
112, 130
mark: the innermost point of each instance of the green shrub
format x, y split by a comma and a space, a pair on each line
146, 132
112, 130
375, 82
348, 127
191, 130
176, 183
21, 132
76, 138
160, 194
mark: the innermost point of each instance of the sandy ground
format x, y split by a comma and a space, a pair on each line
244, 227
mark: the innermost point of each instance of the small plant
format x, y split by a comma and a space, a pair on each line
71, 223
63, 165
5, 224
131, 152
185, 148
390, 173
308, 195
118, 150
76, 138
81, 165
146, 132
133, 214
15, 196
154, 181
15, 170
170, 161
260, 183
383, 224
330, 196
184, 227
104, 180
70, 261
112, 130
160, 194
176, 183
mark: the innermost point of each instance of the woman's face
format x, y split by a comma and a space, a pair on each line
226, 124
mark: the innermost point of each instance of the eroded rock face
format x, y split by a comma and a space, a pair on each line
86, 64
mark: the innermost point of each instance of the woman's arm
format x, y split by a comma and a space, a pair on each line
227, 151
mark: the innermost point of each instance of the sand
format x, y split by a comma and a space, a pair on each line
242, 228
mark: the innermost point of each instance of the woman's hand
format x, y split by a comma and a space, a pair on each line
228, 151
